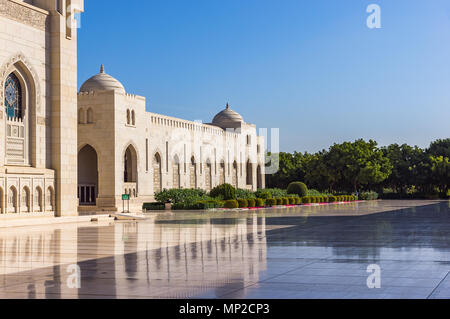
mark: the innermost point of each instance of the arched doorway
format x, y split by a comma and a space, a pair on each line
12, 200
50, 199
157, 173
38, 200
87, 176
130, 165
193, 173
25, 205
249, 173
235, 175
259, 177
176, 173
208, 176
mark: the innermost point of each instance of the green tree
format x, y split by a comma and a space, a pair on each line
440, 169
362, 164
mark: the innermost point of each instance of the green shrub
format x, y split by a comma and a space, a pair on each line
332, 199
276, 192
251, 203
285, 201
368, 196
306, 200
292, 201
154, 206
270, 202
326, 199
224, 191
259, 202
231, 204
186, 196
298, 200
263, 194
297, 188
279, 201
243, 203
245, 194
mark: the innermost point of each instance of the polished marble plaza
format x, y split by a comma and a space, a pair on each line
304, 252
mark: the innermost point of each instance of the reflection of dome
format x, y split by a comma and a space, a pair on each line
102, 81
228, 119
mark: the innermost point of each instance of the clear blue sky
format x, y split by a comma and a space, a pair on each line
311, 68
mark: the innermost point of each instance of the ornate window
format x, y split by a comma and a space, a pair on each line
13, 97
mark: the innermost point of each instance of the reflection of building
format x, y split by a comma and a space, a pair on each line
121, 258
190, 259
120, 147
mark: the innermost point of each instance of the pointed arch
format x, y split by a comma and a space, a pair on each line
193, 173
12, 200
25, 205
157, 172
130, 164
38, 207
249, 173
81, 116
50, 199
235, 177
208, 175
90, 115
88, 175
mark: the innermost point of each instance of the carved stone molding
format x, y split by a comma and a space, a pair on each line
24, 14
6, 69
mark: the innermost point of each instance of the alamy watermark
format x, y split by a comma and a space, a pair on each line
374, 19
374, 279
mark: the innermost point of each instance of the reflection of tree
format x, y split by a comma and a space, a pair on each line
365, 236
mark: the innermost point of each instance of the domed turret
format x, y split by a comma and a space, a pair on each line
102, 82
228, 119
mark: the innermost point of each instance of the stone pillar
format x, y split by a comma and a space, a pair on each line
63, 112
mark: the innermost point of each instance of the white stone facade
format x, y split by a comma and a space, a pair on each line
38, 53
162, 152
62, 150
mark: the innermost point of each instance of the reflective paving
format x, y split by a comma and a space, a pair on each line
306, 252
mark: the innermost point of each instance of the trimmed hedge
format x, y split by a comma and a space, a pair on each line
263, 194
154, 206
231, 204
332, 199
297, 188
270, 202
251, 203
259, 202
243, 203
292, 201
279, 201
285, 201
306, 200
225, 191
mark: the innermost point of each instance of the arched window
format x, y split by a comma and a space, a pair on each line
25, 205
13, 97
128, 117
50, 199
90, 116
81, 116
38, 200
157, 173
12, 200
133, 118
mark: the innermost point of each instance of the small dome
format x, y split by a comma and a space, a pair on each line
102, 82
228, 119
